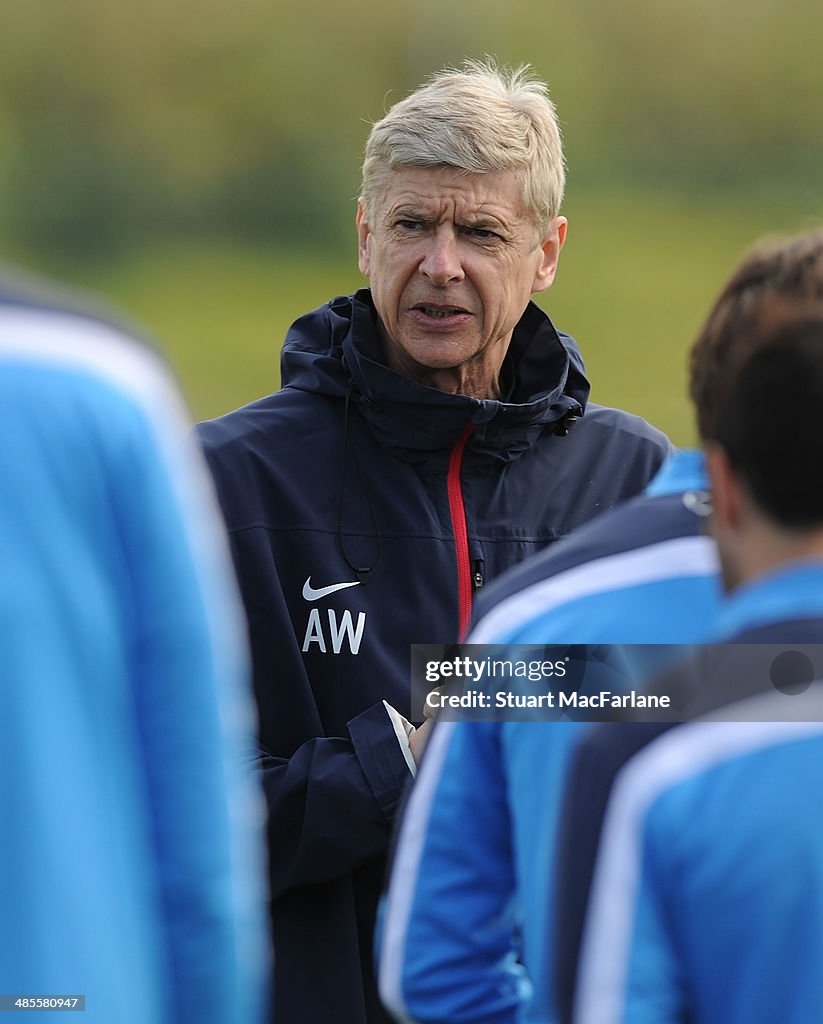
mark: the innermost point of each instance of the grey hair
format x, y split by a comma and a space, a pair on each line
477, 118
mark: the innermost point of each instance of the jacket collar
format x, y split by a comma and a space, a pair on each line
791, 591
325, 353
683, 471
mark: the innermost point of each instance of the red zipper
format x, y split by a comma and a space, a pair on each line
461, 536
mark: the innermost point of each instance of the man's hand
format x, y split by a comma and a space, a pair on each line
430, 711
419, 738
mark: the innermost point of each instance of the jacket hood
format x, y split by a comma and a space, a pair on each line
335, 350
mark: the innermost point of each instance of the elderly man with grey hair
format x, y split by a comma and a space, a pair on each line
420, 445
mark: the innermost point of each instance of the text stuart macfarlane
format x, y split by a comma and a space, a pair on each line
506, 699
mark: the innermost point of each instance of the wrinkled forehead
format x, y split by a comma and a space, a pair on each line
450, 191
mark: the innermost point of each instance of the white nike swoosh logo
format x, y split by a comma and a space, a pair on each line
310, 594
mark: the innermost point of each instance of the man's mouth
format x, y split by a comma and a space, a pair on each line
440, 312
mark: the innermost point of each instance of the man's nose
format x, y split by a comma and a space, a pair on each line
442, 264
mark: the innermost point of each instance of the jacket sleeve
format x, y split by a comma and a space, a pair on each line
449, 948
331, 799
193, 710
332, 803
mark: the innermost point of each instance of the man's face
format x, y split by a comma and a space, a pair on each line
453, 259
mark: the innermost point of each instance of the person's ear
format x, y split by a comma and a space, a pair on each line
727, 494
550, 249
363, 239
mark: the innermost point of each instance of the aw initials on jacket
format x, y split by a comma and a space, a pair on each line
345, 628
339, 629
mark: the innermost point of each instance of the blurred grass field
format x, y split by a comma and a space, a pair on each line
689, 130
635, 280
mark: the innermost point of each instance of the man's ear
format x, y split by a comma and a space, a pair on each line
363, 239
552, 244
727, 493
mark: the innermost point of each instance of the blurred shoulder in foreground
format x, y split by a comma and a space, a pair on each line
131, 865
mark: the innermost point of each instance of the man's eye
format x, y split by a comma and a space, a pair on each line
484, 234
408, 225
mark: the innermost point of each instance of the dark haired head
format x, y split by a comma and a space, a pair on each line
776, 278
771, 423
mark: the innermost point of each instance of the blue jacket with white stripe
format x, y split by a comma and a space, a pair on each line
699, 859
131, 860
361, 507
468, 925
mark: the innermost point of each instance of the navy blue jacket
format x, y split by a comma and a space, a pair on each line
364, 509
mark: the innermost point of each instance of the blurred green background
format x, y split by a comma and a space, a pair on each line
197, 162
